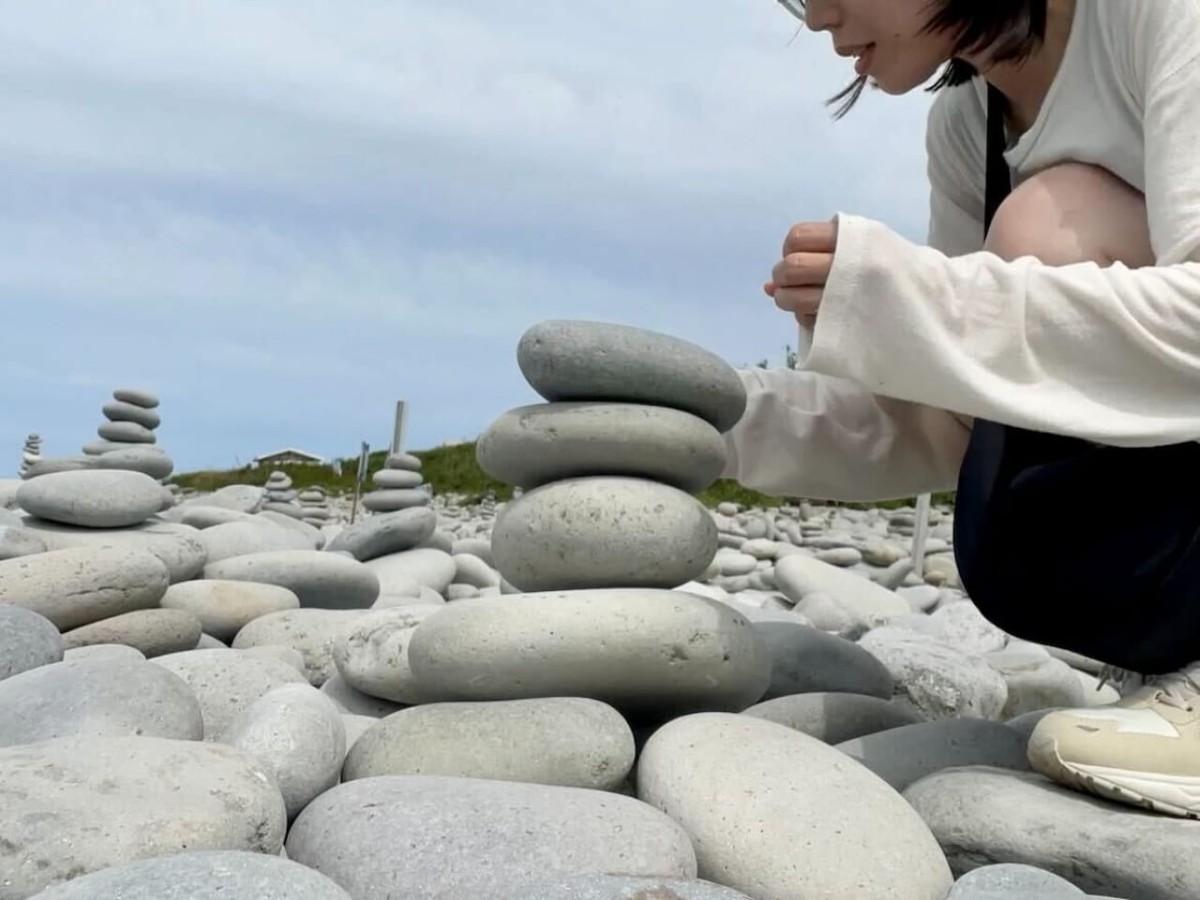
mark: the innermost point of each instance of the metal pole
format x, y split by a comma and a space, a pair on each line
359, 477
401, 424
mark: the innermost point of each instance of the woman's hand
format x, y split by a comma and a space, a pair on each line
798, 280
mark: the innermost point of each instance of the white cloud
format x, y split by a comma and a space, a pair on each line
221, 188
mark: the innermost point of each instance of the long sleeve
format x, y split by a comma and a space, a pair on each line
806, 434
809, 435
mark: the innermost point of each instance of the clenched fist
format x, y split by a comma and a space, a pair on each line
798, 280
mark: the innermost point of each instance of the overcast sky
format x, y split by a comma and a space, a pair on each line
285, 215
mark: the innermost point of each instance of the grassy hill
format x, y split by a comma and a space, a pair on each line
451, 470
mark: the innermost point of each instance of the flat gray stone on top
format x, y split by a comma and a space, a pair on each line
202, 875
405, 461
81, 585
98, 698
533, 445
901, 756
567, 741
463, 835
602, 532
1012, 881
776, 813
78, 805
584, 360
834, 717
137, 397
92, 498
27, 641
985, 816
384, 534
611, 887
639, 649
318, 579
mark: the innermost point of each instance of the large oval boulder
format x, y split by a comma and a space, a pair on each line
92, 498
83, 585
318, 579
461, 835
639, 649
776, 813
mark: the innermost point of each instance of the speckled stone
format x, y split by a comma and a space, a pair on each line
603, 532
534, 445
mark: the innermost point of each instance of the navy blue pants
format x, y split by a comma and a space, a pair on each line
1091, 549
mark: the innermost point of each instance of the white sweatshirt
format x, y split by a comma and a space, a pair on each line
912, 342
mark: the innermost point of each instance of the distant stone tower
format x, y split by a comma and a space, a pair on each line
30, 454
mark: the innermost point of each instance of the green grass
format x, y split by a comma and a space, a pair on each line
453, 470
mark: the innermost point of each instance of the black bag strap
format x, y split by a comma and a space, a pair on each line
999, 178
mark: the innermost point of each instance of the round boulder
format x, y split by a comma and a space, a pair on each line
603, 532
93, 498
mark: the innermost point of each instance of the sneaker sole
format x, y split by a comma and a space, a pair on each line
1144, 789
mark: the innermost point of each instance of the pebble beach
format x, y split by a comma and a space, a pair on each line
598, 690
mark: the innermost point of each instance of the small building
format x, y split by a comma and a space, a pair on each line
289, 456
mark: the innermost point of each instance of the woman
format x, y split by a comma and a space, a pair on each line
1041, 355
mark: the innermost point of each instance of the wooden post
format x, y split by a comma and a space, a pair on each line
400, 425
920, 534
359, 477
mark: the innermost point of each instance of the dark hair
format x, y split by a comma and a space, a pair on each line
1006, 29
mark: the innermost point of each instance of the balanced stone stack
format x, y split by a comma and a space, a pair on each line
398, 485
632, 428
604, 532
280, 497
314, 506
127, 438
30, 454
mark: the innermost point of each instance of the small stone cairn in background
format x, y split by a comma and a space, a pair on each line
281, 497
398, 485
314, 504
127, 441
31, 453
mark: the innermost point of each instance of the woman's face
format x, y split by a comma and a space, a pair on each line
886, 37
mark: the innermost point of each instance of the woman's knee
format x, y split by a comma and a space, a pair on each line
1073, 213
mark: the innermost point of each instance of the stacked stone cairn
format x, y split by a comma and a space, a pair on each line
31, 454
281, 497
528, 697
398, 485
314, 506
127, 442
